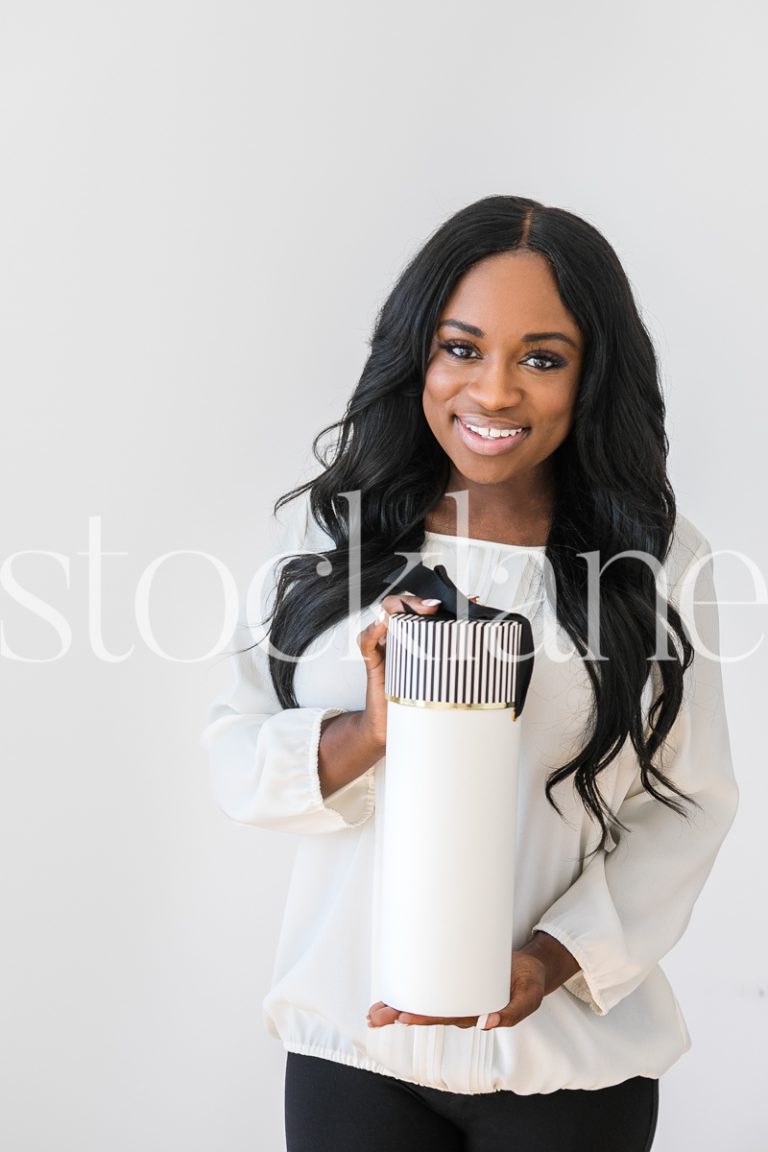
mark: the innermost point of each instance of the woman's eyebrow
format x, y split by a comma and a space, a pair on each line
473, 331
529, 338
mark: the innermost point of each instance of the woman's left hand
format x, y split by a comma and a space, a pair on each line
537, 969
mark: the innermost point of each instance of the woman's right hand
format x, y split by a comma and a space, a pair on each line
372, 641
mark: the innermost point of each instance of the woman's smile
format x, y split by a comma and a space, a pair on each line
493, 440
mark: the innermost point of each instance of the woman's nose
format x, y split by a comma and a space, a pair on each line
496, 385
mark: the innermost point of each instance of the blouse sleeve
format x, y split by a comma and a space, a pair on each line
632, 903
263, 758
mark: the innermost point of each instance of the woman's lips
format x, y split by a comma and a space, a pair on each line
494, 446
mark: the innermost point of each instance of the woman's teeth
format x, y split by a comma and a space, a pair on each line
493, 433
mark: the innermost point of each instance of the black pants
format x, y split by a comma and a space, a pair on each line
332, 1107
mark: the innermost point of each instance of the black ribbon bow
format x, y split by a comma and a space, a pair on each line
429, 583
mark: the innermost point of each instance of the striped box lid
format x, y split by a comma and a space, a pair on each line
458, 663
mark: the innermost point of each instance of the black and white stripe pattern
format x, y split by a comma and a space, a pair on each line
464, 663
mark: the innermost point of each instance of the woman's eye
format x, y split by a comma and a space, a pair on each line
547, 360
453, 347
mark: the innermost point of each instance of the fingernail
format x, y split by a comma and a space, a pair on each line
382, 640
429, 603
482, 1021
382, 615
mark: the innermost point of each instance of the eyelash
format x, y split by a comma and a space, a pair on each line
539, 353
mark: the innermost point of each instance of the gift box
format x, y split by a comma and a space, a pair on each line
455, 684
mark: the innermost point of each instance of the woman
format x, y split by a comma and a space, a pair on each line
508, 421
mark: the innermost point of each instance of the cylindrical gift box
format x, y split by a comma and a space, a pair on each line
454, 689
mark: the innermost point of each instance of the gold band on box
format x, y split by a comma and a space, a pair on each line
450, 704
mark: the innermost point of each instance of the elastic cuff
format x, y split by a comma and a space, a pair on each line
579, 984
354, 801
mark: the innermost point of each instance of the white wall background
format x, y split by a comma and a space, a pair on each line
202, 206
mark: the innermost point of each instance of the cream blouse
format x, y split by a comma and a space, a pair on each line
618, 913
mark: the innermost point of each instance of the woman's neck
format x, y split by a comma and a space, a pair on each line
489, 512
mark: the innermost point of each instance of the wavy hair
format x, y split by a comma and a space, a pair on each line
612, 492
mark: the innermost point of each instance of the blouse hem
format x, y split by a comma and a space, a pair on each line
367, 1064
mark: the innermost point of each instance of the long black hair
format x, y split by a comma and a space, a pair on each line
612, 492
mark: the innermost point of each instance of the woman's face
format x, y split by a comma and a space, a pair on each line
506, 354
